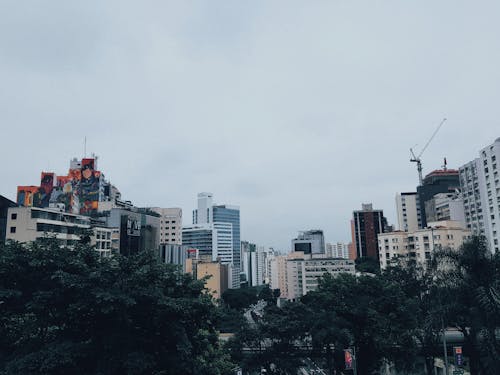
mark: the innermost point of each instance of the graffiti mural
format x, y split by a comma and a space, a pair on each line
78, 191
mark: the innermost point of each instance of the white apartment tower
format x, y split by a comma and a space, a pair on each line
408, 211
480, 185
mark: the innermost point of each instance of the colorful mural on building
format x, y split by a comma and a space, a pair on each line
78, 192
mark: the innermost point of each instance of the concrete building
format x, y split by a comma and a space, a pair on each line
419, 245
277, 272
408, 211
438, 181
310, 242
170, 225
445, 207
29, 224
177, 254
367, 224
216, 272
337, 250
480, 183
5, 204
221, 216
303, 273
253, 261
139, 228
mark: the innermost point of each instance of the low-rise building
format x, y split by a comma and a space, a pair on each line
399, 246
217, 274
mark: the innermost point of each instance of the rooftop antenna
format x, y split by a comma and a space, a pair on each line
445, 165
417, 159
85, 147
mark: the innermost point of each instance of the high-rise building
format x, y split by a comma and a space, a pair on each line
418, 246
408, 211
221, 217
438, 181
170, 225
253, 261
367, 224
480, 183
309, 242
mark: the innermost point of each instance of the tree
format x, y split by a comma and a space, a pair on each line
368, 313
368, 265
67, 311
240, 298
467, 283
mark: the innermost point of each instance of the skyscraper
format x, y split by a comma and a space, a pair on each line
225, 220
368, 223
480, 183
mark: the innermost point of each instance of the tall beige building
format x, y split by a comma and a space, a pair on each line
170, 225
419, 245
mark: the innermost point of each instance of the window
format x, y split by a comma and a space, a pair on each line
13, 216
12, 229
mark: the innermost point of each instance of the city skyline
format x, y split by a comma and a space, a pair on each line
182, 99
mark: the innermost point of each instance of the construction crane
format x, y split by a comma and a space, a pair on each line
417, 159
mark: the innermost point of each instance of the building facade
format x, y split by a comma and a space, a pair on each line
480, 183
5, 204
170, 225
303, 274
222, 218
367, 224
408, 211
438, 181
400, 247
445, 207
337, 250
310, 242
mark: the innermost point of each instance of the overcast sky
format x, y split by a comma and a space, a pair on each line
297, 111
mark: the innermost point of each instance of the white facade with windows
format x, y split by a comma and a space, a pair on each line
28, 224
480, 185
419, 245
408, 211
337, 250
170, 225
303, 274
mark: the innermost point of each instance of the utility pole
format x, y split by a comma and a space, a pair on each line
445, 348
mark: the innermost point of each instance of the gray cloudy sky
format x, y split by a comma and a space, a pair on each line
297, 111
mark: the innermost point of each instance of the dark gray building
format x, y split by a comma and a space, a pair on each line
439, 181
4, 207
310, 242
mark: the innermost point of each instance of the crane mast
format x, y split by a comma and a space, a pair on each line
417, 159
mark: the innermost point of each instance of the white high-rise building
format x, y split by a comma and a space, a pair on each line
480, 185
226, 220
408, 211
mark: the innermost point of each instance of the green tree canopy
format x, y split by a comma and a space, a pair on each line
68, 312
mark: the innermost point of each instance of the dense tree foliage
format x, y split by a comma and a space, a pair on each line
68, 312
393, 318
